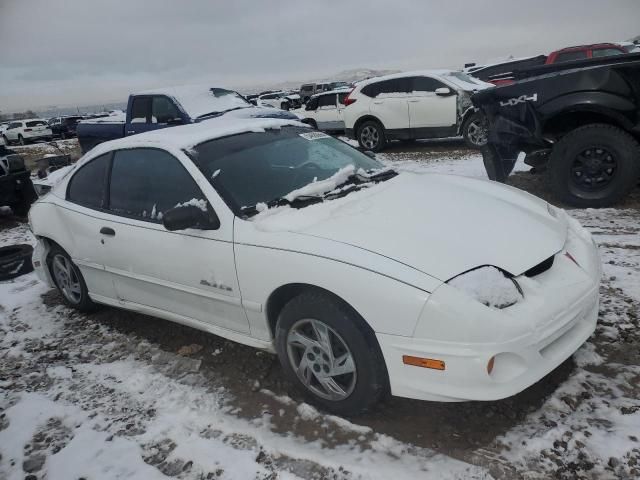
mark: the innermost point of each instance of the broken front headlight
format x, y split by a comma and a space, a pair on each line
490, 286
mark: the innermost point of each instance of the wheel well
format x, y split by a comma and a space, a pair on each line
284, 294
366, 118
561, 124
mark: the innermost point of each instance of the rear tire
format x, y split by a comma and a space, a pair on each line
475, 130
371, 136
68, 280
350, 348
21, 140
594, 166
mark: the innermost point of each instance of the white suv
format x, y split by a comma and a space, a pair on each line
325, 111
412, 105
23, 131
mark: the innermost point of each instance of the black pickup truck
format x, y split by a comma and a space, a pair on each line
578, 121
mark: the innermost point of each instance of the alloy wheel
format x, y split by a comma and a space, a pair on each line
369, 137
67, 278
477, 132
321, 359
593, 168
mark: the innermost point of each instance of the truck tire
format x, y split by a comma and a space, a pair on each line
327, 352
15, 260
475, 131
594, 166
371, 136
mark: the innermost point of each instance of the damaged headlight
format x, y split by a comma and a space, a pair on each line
490, 286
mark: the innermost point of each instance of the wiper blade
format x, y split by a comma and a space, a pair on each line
298, 202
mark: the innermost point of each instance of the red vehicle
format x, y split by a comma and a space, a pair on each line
584, 52
503, 73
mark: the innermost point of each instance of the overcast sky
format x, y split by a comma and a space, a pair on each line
78, 52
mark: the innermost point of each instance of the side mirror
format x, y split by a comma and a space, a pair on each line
189, 216
443, 91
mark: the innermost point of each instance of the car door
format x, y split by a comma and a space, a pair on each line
83, 216
13, 130
151, 112
327, 112
190, 273
428, 109
390, 103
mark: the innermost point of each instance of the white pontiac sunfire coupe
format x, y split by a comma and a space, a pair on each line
362, 279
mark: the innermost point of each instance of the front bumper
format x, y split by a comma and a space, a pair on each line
527, 341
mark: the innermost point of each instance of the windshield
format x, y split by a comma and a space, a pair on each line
466, 82
254, 168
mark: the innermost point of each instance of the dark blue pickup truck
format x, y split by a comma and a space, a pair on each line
169, 107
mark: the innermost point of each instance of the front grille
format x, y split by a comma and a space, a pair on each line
540, 268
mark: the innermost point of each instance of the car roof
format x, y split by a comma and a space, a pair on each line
416, 73
184, 137
589, 47
198, 100
337, 90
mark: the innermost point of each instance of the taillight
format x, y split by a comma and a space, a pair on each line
27, 129
348, 101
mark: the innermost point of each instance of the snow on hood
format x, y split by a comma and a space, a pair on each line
442, 225
115, 117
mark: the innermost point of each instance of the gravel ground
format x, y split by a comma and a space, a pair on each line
174, 401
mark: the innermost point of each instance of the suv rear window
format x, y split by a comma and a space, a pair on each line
35, 123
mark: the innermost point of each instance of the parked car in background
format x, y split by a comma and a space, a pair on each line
162, 108
3, 127
16, 189
339, 85
25, 131
324, 111
267, 233
583, 52
309, 89
64, 127
630, 47
282, 100
576, 121
414, 105
504, 73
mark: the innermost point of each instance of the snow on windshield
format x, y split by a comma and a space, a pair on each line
323, 186
198, 100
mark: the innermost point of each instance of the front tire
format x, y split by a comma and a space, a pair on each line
594, 166
371, 136
327, 353
68, 280
21, 140
475, 131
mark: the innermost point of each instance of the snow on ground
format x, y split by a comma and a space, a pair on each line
80, 398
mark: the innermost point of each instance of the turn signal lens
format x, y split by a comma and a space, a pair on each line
423, 362
490, 365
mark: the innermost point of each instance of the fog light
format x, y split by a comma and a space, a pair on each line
432, 363
490, 365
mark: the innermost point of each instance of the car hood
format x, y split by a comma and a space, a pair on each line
442, 225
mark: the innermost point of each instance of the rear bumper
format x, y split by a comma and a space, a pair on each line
39, 259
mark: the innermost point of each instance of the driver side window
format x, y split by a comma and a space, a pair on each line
312, 104
147, 182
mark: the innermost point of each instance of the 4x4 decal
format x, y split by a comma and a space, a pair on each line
521, 99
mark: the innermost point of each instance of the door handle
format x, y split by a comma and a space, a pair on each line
130, 132
108, 231
414, 101
378, 103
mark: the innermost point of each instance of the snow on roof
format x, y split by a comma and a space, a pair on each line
337, 90
198, 100
415, 73
186, 136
